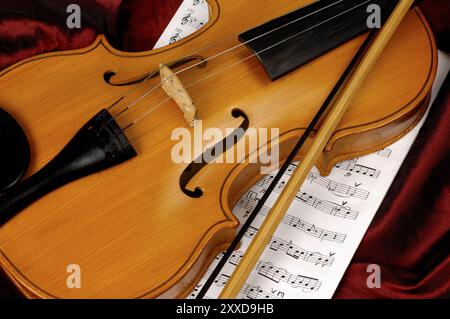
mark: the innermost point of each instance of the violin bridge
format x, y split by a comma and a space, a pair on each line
175, 89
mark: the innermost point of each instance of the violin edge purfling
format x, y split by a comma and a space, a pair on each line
118, 223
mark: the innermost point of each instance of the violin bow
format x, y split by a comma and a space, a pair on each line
340, 103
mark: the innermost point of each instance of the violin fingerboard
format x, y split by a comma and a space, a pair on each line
288, 42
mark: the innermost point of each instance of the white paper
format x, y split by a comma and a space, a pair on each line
318, 237
191, 16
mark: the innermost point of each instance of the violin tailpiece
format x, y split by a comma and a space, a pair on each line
98, 145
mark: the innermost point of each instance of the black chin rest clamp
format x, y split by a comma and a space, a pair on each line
14, 151
98, 145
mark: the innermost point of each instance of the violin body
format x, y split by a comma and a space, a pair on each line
130, 228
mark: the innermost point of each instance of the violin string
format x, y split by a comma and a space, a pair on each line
129, 106
233, 65
149, 76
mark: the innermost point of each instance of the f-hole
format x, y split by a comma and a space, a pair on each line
198, 164
108, 75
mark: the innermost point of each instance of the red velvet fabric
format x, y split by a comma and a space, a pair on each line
143, 22
410, 235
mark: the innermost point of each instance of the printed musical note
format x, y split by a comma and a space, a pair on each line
175, 36
190, 20
352, 166
202, 3
277, 274
248, 291
265, 182
294, 251
292, 167
338, 189
325, 206
255, 292
190, 17
249, 204
336, 195
328, 207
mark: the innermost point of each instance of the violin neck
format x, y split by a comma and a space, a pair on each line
290, 41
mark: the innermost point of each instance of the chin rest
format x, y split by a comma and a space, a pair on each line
15, 151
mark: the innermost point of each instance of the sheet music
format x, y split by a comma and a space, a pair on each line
314, 244
191, 16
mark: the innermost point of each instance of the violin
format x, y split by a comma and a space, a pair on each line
103, 190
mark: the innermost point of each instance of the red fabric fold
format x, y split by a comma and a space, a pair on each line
28, 28
410, 235
142, 22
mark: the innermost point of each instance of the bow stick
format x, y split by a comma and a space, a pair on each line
340, 104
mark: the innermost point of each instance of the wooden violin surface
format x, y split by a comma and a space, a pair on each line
131, 229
